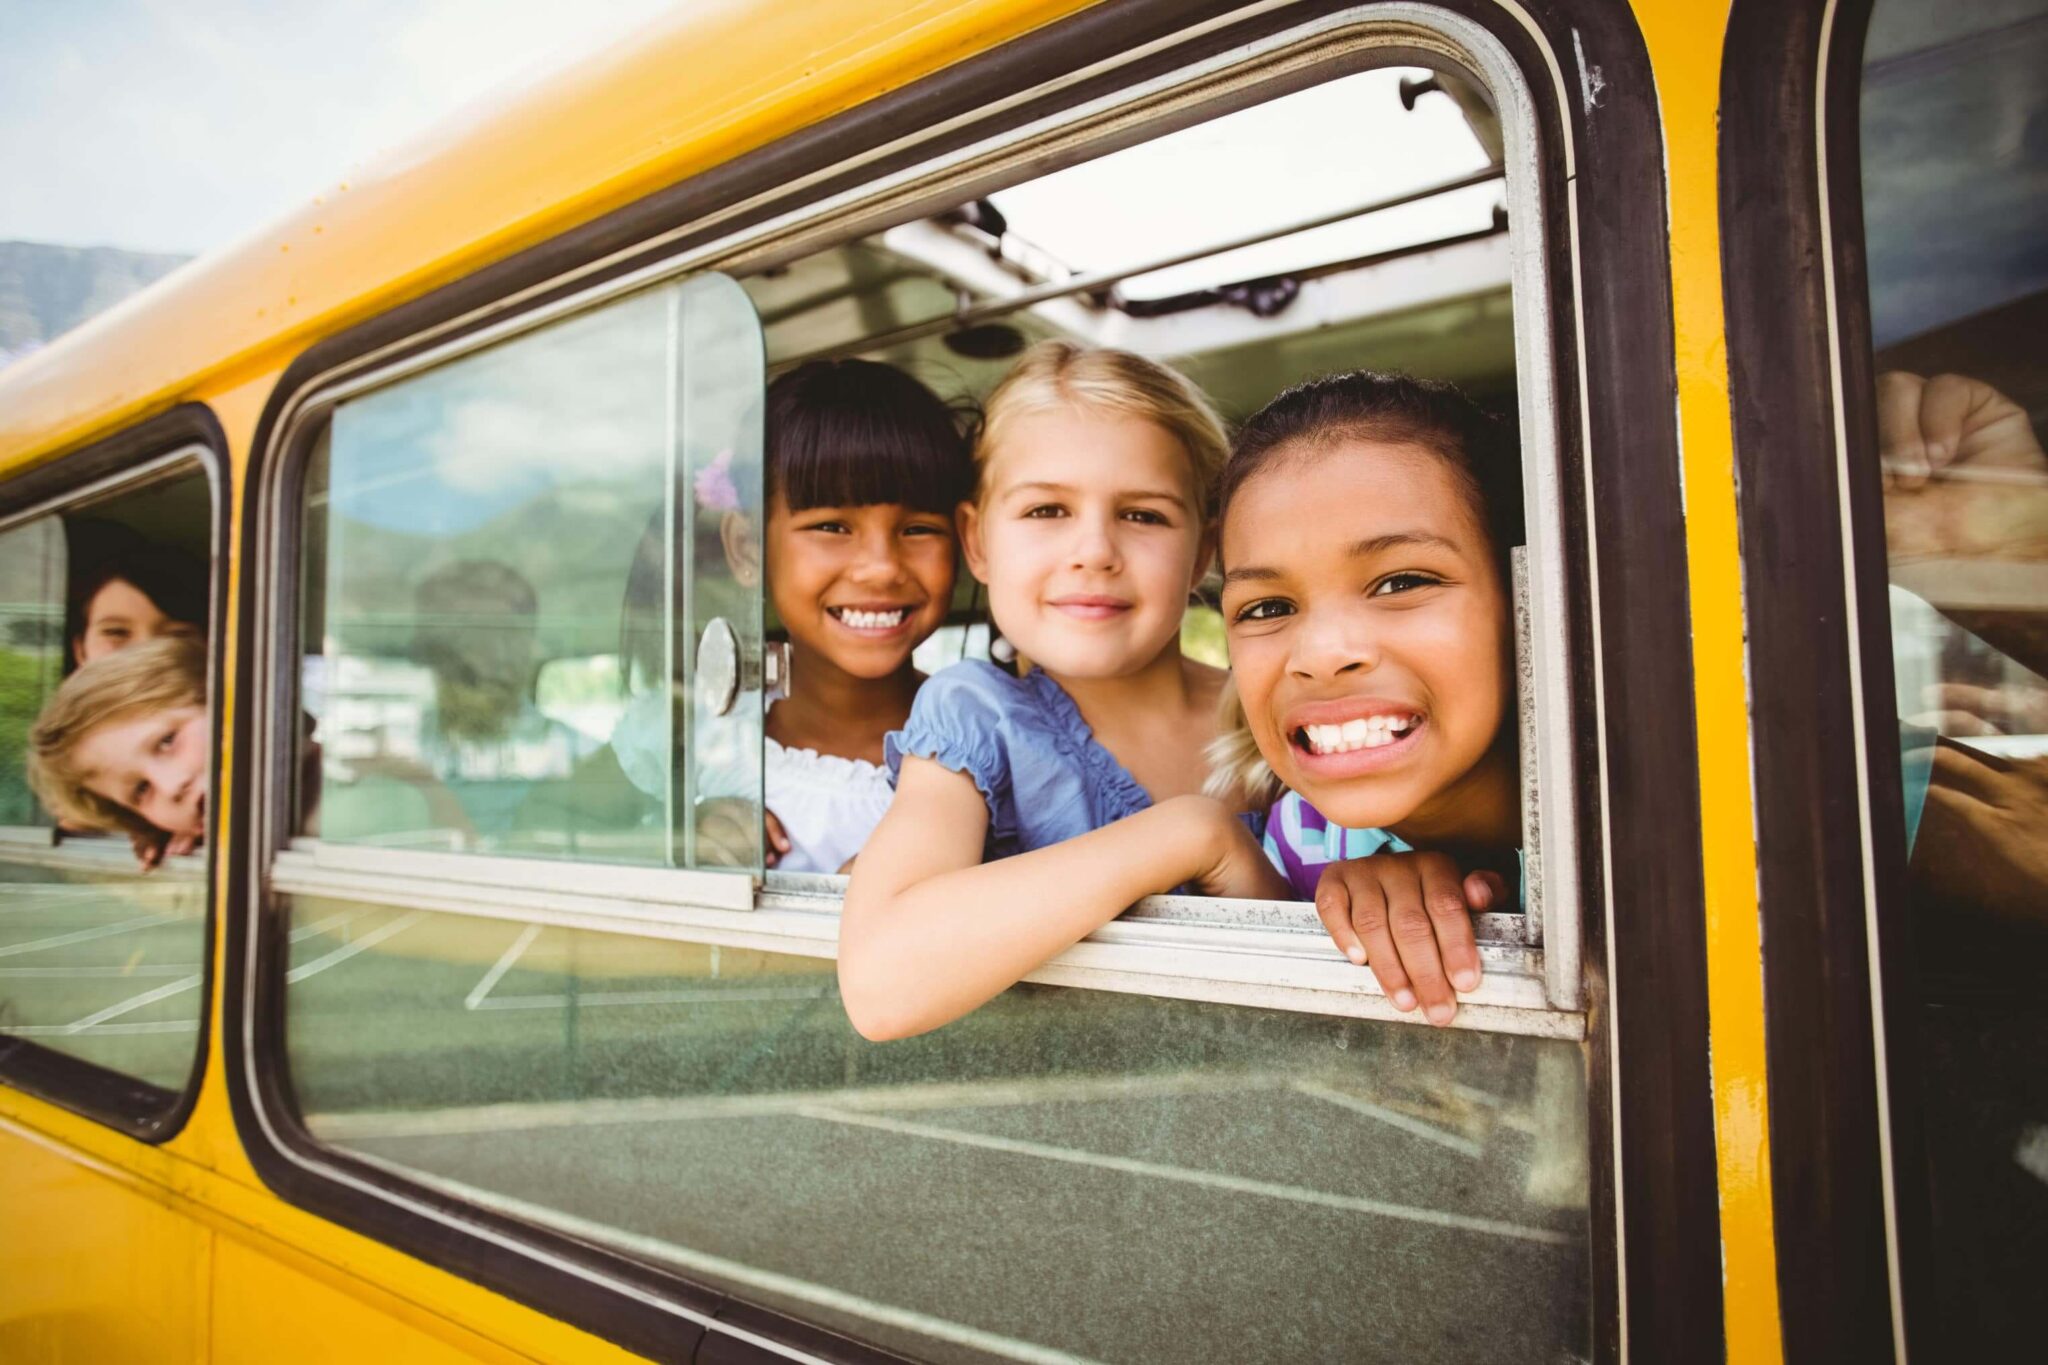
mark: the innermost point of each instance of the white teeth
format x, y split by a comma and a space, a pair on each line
872, 620
1371, 732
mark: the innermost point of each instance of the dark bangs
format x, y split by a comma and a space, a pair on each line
853, 433
1364, 404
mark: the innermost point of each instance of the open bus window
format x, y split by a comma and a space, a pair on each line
103, 946
1205, 1105
1258, 249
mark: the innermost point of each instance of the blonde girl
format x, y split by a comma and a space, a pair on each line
1031, 810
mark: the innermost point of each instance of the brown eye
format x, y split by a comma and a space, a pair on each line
1265, 609
1403, 582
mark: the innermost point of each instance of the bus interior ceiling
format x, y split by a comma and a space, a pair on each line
1411, 275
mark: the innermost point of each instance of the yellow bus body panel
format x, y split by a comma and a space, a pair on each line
693, 92
119, 1250
1685, 52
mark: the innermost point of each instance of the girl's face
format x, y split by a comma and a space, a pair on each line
153, 763
121, 614
1089, 538
1369, 629
860, 587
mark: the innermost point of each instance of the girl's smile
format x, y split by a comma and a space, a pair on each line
1091, 606
859, 587
1355, 735
1370, 648
876, 620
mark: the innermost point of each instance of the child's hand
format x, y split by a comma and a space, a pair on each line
1409, 916
150, 851
1232, 862
777, 842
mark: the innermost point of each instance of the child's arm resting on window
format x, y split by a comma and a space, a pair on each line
930, 932
1410, 916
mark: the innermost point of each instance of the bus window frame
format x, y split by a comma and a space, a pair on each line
1609, 310
186, 435
1273, 954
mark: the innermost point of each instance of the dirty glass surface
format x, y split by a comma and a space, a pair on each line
97, 959
1955, 192
497, 556
1062, 1175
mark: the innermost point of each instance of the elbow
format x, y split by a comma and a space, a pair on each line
878, 1008
873, 1014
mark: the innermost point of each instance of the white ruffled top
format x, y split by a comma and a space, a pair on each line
828, 805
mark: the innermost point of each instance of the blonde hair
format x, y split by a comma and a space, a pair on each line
140, 680
1058, 374
1238, 772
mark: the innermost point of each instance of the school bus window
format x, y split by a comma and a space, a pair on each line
1954, 185
1247, 1124
104, 767
489, 561
1400, 262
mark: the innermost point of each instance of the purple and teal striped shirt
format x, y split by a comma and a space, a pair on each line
1301, 843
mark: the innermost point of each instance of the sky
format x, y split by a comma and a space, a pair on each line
181, 125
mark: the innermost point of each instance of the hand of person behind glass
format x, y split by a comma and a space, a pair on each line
1964, 475
1974, 709
1982, 845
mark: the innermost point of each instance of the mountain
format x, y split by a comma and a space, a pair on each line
45, 290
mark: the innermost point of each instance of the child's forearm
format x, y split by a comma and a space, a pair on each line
923, 953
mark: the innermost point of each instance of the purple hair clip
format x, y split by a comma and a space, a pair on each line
716, 492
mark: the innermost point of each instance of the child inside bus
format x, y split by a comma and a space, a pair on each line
1031, 810
130, 595
122, 745
864, 468
139, 593
1372, 659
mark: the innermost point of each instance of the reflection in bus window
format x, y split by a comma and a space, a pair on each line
490, 591
102, 946
1066, 1174
1955, 184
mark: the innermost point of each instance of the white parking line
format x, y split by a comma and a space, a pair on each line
46, 897
915, 1097
81, 935
349, 950
702, 996
1214, 1180
146, 998
166, 969
737, 1272
501, 966
102, 1030
1393, 1118
306, 931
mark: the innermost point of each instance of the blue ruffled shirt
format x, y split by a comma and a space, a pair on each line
1022, 740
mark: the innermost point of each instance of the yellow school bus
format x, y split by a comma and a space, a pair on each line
460, 1037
